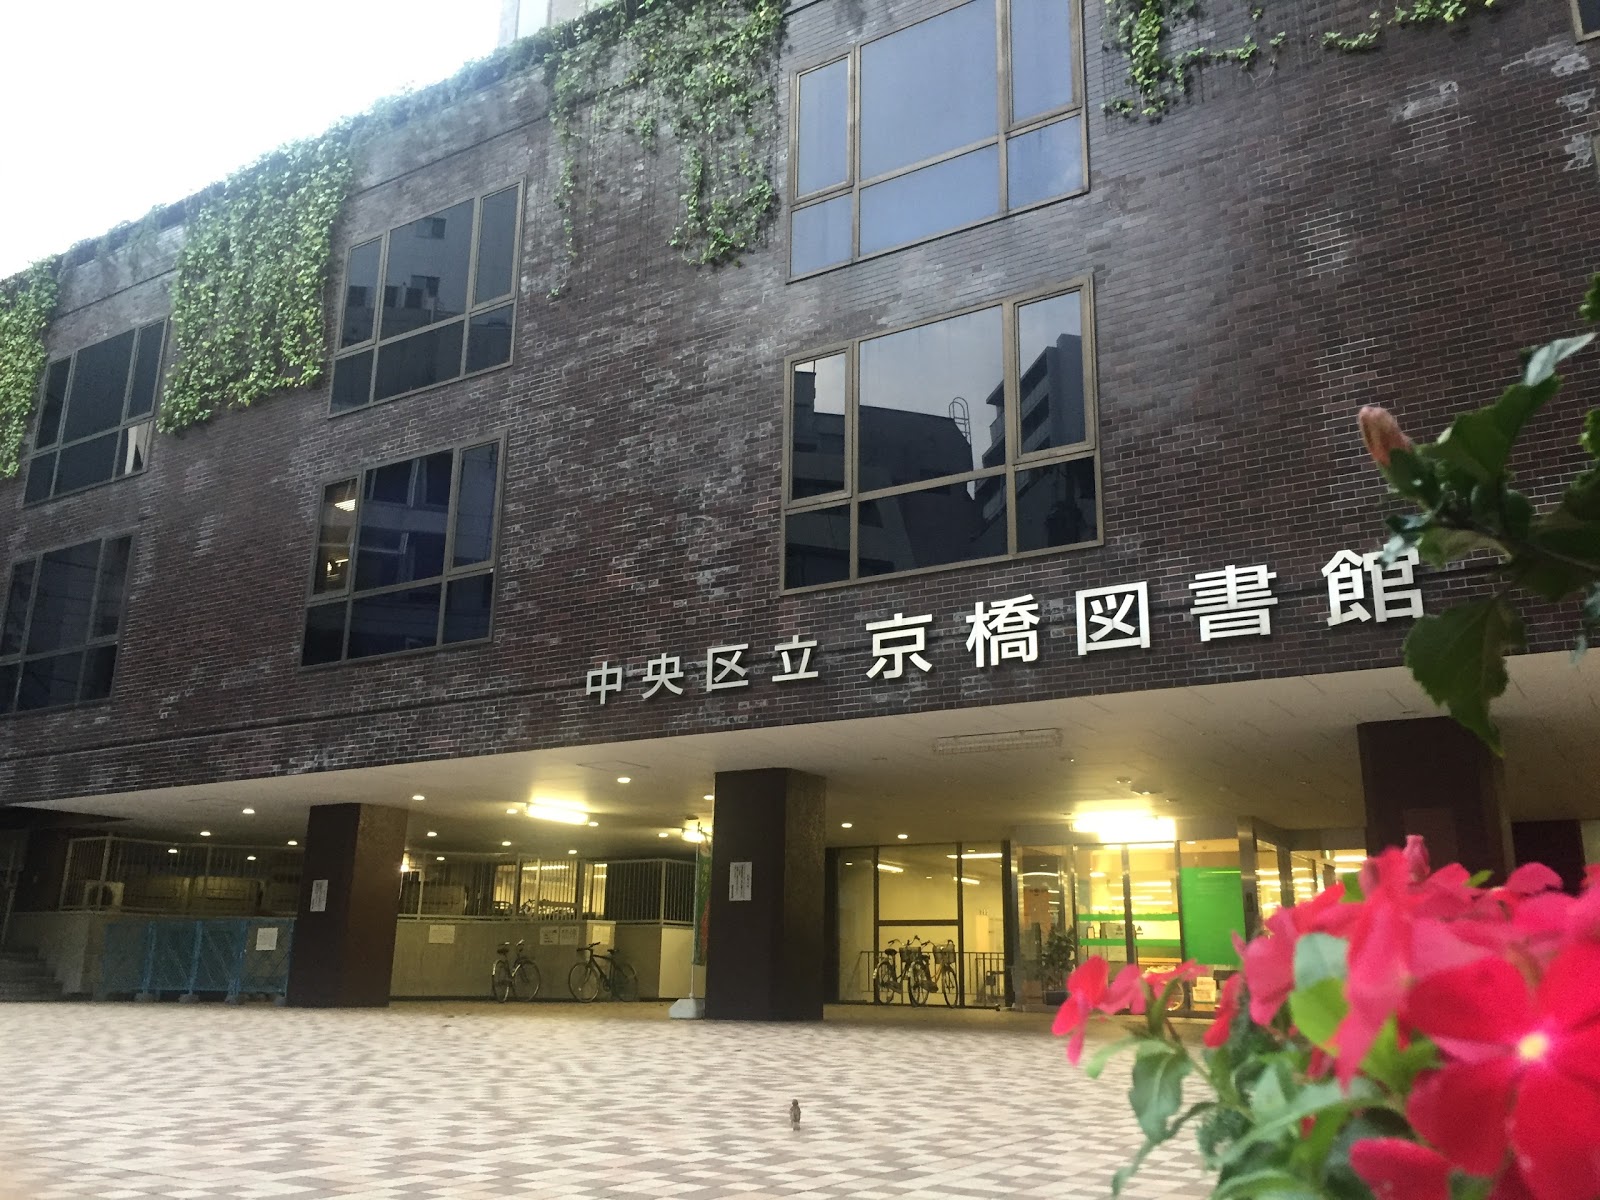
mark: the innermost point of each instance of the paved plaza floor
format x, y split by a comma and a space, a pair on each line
448, 1100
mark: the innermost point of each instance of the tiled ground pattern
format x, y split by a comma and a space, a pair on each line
455, 1101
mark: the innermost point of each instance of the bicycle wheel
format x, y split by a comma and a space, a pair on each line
947, 985
884, 984
500, 981
918, 984
525, 980
584, 981
624, 981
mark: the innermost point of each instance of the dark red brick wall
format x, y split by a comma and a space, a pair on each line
1287, 246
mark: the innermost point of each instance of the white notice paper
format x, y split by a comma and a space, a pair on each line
319, 895
441, 935
267, 937
549, 935
739, 880
569, 935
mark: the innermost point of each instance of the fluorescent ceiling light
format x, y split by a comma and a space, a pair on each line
567, 816
988, 854
345, 505
964, 879
695, 835
893, 870
1126, 827
979, 743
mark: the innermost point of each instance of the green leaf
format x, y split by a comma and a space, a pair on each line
1319, 956
1098, 1060
1273, 1183
1478, 443
1440, 545
1157, 1091
1125, 1173
1590, 438
1544, 361
1396, 1067
1413, 476
1591, 304
1459, 659
1317, 1010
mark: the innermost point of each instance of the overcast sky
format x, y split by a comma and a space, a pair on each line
115, 106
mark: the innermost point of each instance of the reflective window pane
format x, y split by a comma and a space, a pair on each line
497, 240
16, 613
474, 541
1041, 56
928, 89
816, 431
8, 686
816, 547
1589, 15
822, 157
324, 638
489, 342
425, 280
820, 235
944, 196
360, 292
1056, 505
917, 883
41, 478
403, 513
932, 402
99, 664
146, 370
1052, 403
332, 572
99, 386
418, 361
956, 522
54, 400
466, 608
113, 583
66, 584
87, 463
1045, 163
352, 381
394, 621
133, 448
49, 682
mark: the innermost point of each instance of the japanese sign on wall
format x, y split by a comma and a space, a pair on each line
1230, 602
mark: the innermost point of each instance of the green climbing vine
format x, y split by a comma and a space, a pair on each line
27, 302
700, 70
247, 301
1418, 13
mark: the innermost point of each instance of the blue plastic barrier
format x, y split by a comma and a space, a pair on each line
231, 957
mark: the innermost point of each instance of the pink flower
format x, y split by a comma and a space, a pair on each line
1396, 1169
1522, 1071
1269, 959
1227, 1009
1088, 993
1381, 433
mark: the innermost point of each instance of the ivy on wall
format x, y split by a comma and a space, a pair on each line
27, 303
1419, 13
700, 70
247, 301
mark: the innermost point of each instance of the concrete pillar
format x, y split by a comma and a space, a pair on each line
765, 957
1433, 777
343, 954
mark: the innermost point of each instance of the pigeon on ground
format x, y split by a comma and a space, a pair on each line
794, 1114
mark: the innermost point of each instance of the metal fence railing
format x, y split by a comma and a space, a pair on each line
492, 887
232, 958
650, 890
982, 976
143, 875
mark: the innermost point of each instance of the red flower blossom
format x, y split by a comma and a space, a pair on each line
1269, 960
1522, 1071
1088, 993
1227, 1009
1396, 1169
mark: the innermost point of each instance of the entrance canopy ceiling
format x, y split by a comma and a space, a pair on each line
1283, 750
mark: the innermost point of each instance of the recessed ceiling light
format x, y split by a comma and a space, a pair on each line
205, 833
249, 812
624, 779
846, 825
571, 851
172, 851
249, 858
419, 796
902, 836
663, 833
505, 843
438, 858
433, 833
292, 842
709, 796
511, 812
594, 824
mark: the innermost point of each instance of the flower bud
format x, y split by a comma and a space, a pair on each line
1381, 433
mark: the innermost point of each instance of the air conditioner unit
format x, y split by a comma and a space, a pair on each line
100, 894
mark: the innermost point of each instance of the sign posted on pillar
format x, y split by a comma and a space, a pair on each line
319, 895
739, 880
267, 937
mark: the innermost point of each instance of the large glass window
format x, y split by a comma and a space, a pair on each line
971, 113
964, 439
96, 414
62, 618
1587, 14
429, 301
405, 557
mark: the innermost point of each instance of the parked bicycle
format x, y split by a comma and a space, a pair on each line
946, 977
601, 972
508, 978
902, 966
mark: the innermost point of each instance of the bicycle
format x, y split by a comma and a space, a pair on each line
508, 978
594, 973
906, 966
945, 977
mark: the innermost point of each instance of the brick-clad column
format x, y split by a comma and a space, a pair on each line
1433, 777
765, 958
343, 954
